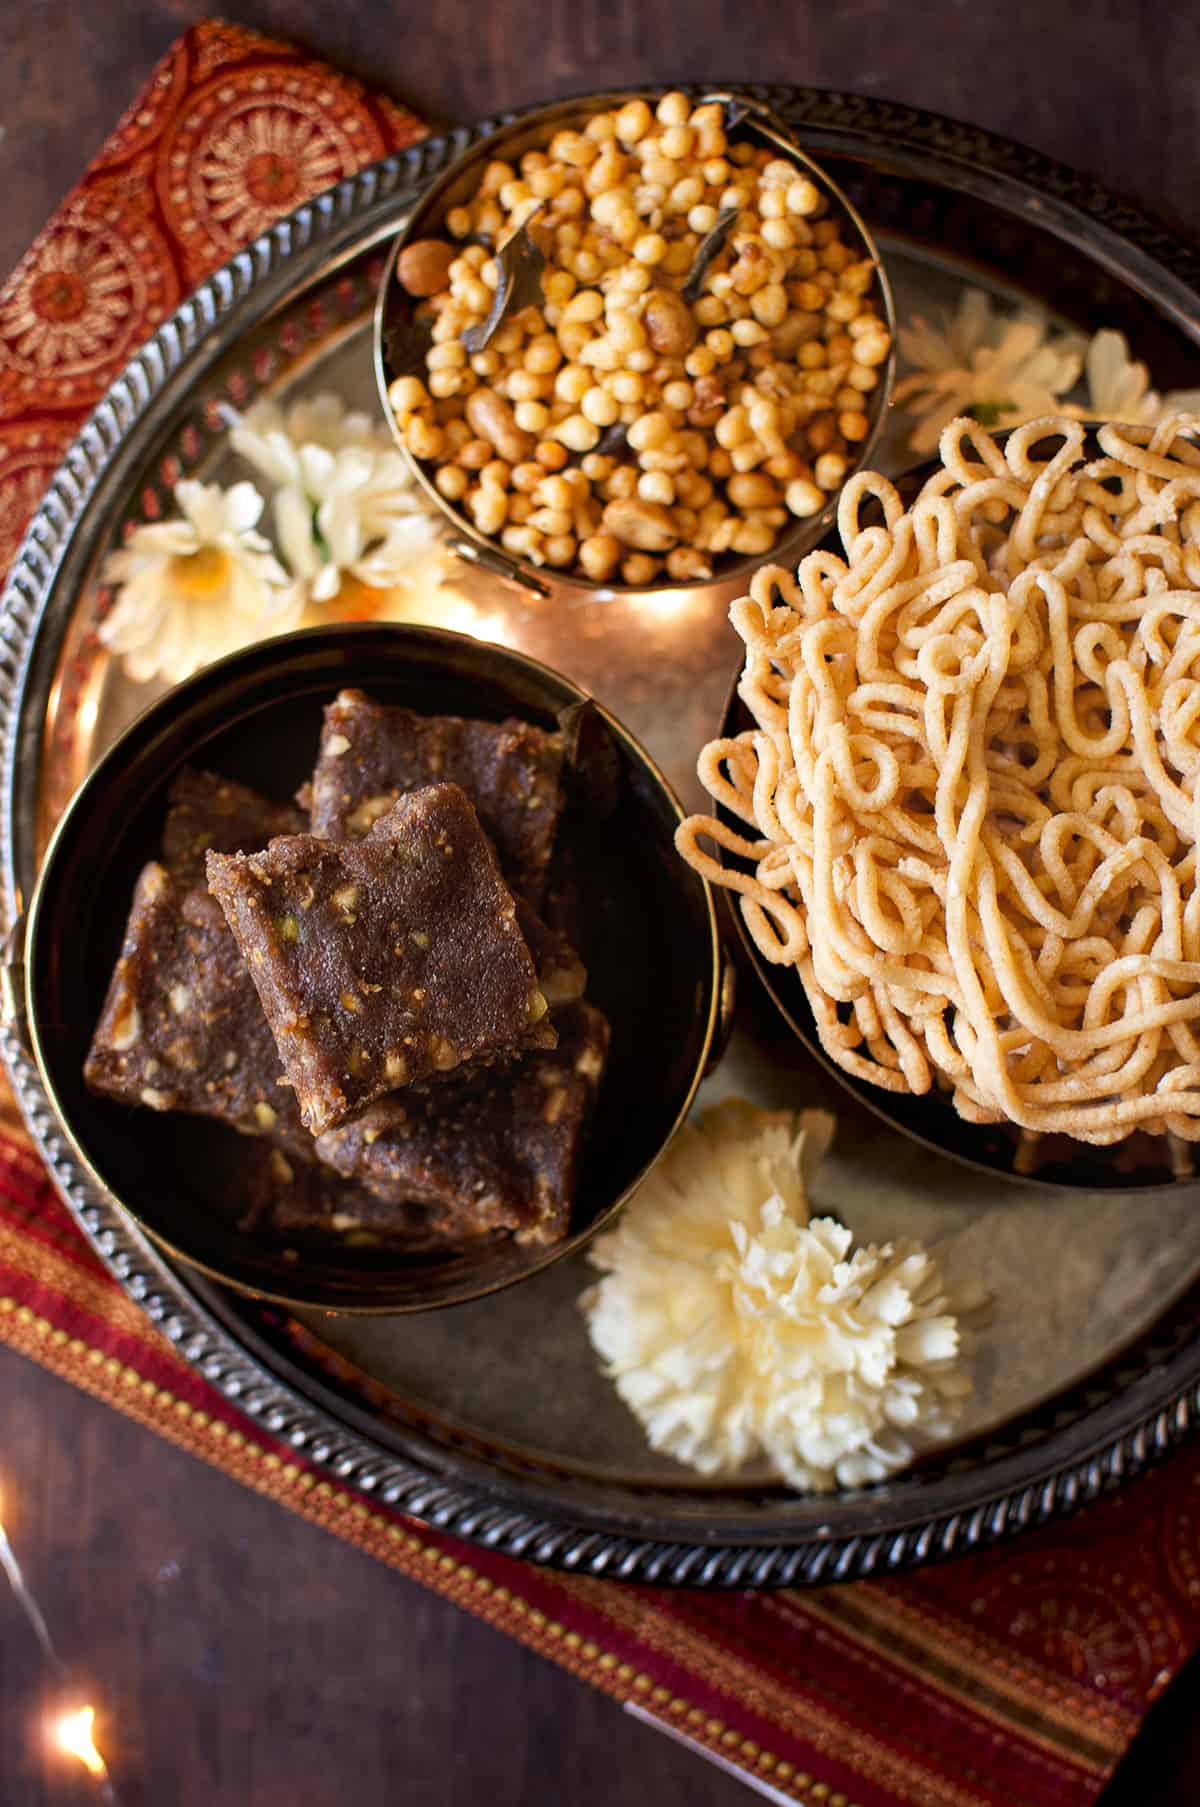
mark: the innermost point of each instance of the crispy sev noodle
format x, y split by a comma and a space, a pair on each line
970, 794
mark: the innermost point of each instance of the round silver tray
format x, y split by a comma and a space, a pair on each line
491, 1421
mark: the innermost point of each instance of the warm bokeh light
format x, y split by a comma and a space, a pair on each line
480, 626
73, 1734
425, 599
462, 617
666, 604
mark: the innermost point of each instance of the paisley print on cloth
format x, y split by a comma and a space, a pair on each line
231, 131
29, 456
237, 155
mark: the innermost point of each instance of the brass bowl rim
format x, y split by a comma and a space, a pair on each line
464, 537
714, 1002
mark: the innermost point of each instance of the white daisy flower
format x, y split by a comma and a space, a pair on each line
347, 514
738, 1330
999, 368
193, 589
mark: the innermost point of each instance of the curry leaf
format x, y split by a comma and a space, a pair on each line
614, 441
591, 762
406, 344
521, 261
710, 248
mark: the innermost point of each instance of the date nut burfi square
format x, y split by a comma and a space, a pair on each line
372, 753
305, 1201
379, 962
182, 1027
561, 974
206, 812
486, 1150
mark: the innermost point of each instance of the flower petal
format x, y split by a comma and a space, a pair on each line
294, 526
243, 508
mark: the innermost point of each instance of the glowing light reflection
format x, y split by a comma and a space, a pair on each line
667, 605
462, 617
73, 1733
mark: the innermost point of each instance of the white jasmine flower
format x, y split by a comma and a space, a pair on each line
349, 517
347, 513
1118, 388
736, 1329
999, 368
193, 589
270, 437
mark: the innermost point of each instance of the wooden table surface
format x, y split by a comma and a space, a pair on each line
247, 1657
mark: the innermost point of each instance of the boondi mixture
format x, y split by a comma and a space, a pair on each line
700, 368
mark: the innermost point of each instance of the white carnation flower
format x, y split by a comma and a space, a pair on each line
1004, 368
737, 1330
193, 589
350, 517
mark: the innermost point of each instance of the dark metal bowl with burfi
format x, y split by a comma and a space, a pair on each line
361, 974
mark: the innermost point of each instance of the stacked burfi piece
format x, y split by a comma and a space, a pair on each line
373, 993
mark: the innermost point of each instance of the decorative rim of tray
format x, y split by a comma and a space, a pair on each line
1047, 1463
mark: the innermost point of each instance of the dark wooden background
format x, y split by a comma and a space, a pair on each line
248, 1659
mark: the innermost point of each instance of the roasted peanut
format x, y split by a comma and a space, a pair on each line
709, 403
646, 526
475, 454
451, 481
423, 438
640, 568
407, 394
668, 321
750, 489
804, 498
599, 555
423, 268
687, 563
492, 418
